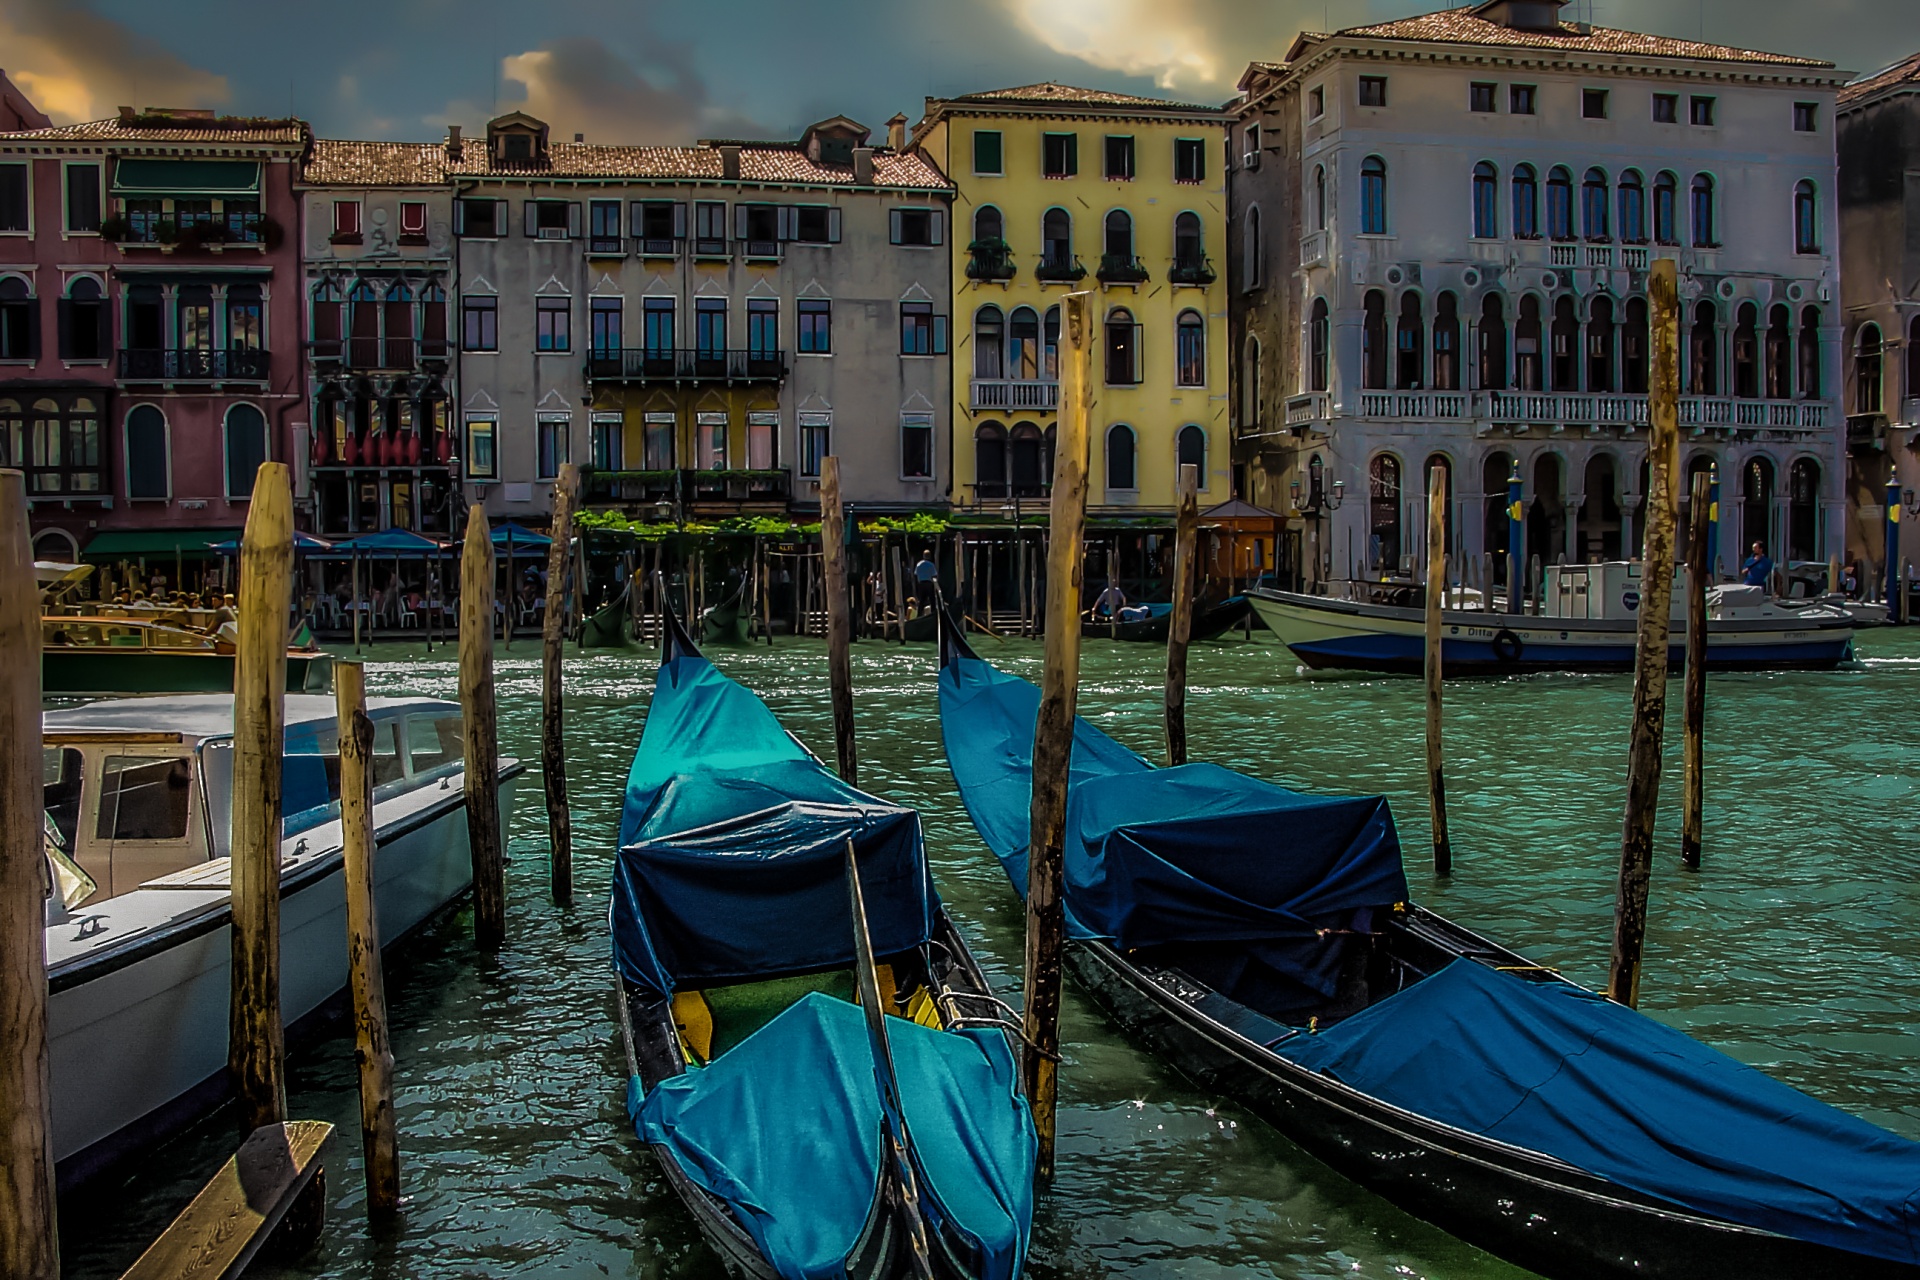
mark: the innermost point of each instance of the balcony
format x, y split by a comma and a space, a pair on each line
761, 250
686, 365
692, 489
1194, 271
1121, 268
1563, 255
989, 260
236, 229
381, 355
1313, 249
1633, 259
193, 364
658, 246
606, 247
1305, 410
1421, 405
1013, 394
1059, 269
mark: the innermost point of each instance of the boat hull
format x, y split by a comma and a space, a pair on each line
1342, 635
83, 672
1210, 623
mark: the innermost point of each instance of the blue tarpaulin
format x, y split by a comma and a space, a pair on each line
801, 1179
1556, 1069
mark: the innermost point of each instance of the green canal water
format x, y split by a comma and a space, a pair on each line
1796, 949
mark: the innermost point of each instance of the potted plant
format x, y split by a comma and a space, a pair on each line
114, 228
166, 231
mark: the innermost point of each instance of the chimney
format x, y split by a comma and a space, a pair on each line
453, 142
863, 166
897, 132
730, 163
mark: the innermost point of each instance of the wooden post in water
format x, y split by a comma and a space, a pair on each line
1053, 728
1436, 592
1180, 626
1833, 574
1693, 796
553, 746
1650, 654
356, 602
833, 549
256, 1043
480, 732
371, 1049
29, 1243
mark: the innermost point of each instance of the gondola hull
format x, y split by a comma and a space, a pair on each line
609, 627
1210, 623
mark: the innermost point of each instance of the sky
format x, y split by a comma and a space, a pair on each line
669, 71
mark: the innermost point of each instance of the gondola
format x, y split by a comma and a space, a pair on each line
806, 1139
610, 626
1209, 623
727, 622
1469, 1086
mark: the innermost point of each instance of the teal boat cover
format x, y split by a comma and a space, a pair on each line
733, 848
799, 1163
1554, 1068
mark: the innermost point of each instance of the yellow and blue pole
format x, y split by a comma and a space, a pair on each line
1713, 523
1516, 540
1894, 585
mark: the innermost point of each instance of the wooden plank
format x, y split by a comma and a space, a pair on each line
219, 1233
1695, 716
481, 732
1436, 588
82, 737
1180, 626
553, 747
833, 546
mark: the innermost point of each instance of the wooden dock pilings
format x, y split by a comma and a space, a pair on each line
553, 747
1695, 716
480, 732
833, 546
1180, 625
1435, 668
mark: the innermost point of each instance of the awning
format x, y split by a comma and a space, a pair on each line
403, 543
136, 177
519, 536
121, 543
302, 542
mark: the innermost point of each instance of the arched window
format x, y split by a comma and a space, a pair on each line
19, 335
1446, 343
1779, 372
1318, 338
1373, 196
1252, 267
1252, 402
990, 460
1493, 343
1189, 242
1600, 346
1190, 350
1117, 247
1486, 201
1526, 203
1373, 341
1666, 209
1566, 345
1594, 204
149, 465
1190, 450
1050, 344
1633, 208
1704, 236
1868, 370
989, 342
1810, 354
1746, 352
1756, 505
1056, 243
1123, 348
989, 228
1526, 346
1806, 219
1383, 513
1559, 204
1703, 351
1410, 345
1026, 457
1319, 197
86, 332
1120, 472
1803, 510
1635, 372
1023, 344
246, 439
433, 322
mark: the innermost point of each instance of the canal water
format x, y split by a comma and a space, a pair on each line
1797, 949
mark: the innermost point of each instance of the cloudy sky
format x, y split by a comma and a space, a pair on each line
674, 70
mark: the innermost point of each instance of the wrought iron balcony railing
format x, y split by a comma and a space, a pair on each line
684, 364
193, 364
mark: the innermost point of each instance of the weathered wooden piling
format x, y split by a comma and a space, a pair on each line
1053, 727
366, 984
29, 1243
1436, 592
553, 746
1833, 574
1180, 626
1693, 794
1650, 654
833, 546
480, 732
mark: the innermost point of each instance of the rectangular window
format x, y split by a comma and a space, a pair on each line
413, 222
1189, 160
763, 441
1316, 102
143, 798
710, 438
916, 446
816, 326
759, 226
916, 328
1481, 97
13, 197
480, 459
816, 441
710, 227
83, 197
988, 158
657, 319
604, 315
603, 226
480, 324
608, 442
346, 221
1593, 104
552, 324
1119, 156
763, 328
1666, 108
479, 219
1701, 111
816, 224
659, 226
554, 444
1060, 155
1806, 117
1521, 99
657, 440
916, 227
1373, 91
552, 219
710, 326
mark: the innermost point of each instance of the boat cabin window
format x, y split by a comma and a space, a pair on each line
142, 798
63, 768
387, 765
433, 743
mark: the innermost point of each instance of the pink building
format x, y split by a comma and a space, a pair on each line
150, 345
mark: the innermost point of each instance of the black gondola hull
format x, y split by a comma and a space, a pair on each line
1209, 623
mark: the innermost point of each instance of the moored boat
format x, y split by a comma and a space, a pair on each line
803, 1142
138, 798
109, 656
1209, 622
728, 621
1261, 941
610, 626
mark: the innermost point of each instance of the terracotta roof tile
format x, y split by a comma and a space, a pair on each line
1461, 26
760, 163
375, 164
1049, 93
185, 129
1904, 72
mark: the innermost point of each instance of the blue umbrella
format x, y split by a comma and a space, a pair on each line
301, 542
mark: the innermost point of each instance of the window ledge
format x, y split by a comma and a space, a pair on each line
342, 237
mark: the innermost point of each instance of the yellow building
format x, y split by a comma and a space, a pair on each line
1060, 189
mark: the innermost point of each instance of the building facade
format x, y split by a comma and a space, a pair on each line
700, 325
1061, 189
149, 325
378, 251
1443, 230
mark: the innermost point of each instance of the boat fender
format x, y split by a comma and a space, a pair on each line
1507, 646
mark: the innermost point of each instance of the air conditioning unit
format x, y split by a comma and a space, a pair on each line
553, 233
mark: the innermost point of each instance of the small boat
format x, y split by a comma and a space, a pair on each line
1588, 622
1209, 623
611, 625
111, 656
804, 1141
728, 621
139, 802
1261, 941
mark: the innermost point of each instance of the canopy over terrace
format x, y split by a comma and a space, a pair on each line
1243, 542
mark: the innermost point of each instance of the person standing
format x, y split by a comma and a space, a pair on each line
925, 575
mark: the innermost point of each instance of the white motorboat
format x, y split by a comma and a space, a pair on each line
139, 946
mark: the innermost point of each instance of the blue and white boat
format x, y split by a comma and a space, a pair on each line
139, 946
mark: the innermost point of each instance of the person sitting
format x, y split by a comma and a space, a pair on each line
1757, 571
1135, 613
1111, 602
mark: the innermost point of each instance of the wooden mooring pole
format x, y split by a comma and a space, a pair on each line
1436, 592
1053, 728
833, 549
29, 1243
1650, 655
256, 1043
371, 1048
1694, 792
480, 732
1180, 626
553, 746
